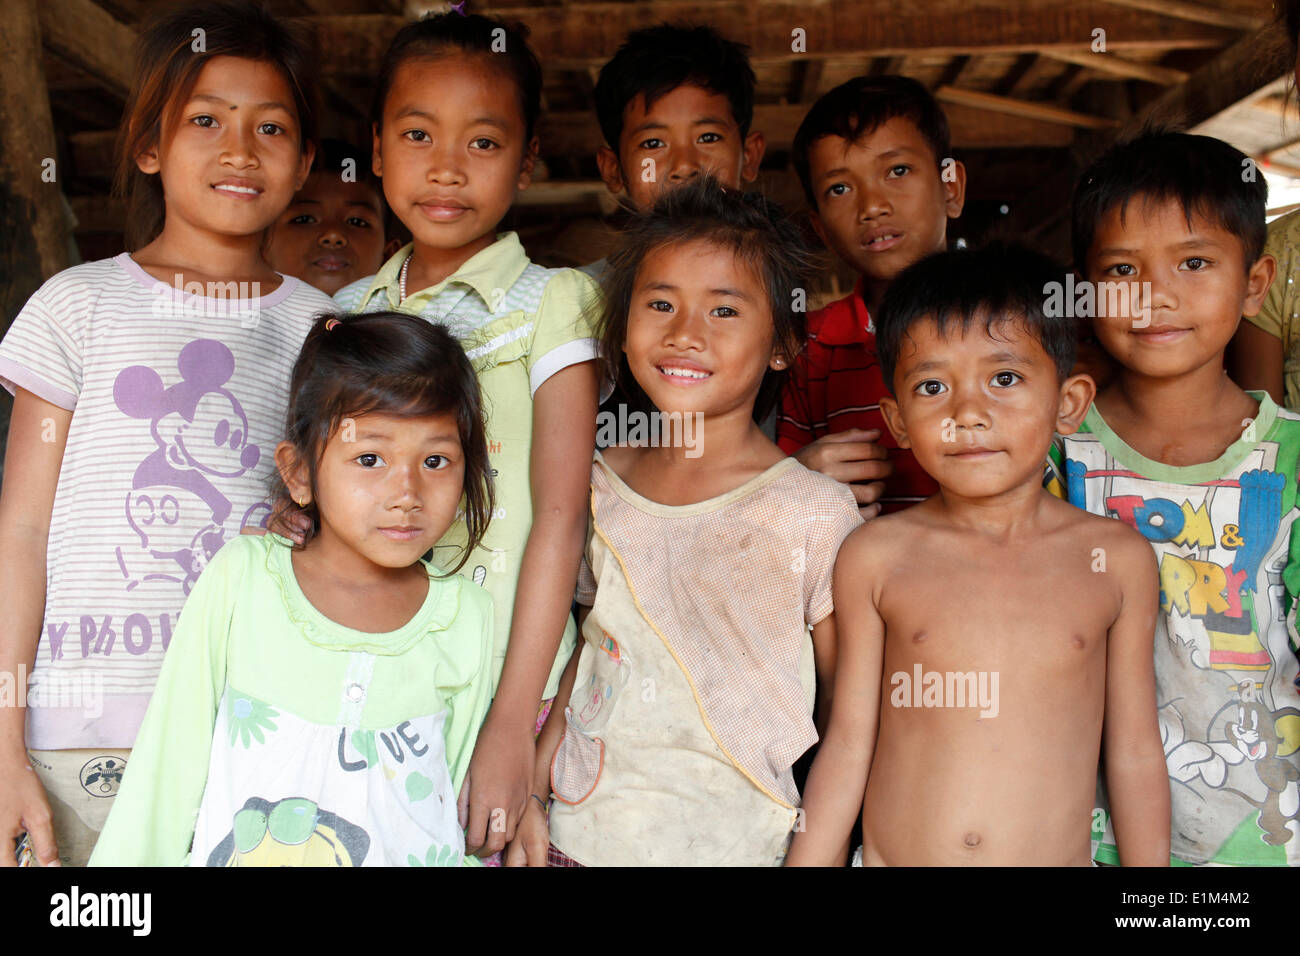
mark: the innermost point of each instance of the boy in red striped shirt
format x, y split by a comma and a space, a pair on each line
872, 155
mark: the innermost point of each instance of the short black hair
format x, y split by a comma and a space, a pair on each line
997, 283
1205, 175
504, 43
856, 108
754, 228
656, 60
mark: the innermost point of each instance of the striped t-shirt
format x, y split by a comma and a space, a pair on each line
178, 401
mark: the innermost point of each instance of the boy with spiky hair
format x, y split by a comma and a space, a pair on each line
1207, 473
873, 158
673, 102
993, 643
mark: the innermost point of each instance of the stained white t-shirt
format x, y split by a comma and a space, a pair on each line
178, 402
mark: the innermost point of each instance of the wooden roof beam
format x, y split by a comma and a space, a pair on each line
1112, 65
1240, 72
1024, 109
577, 36
91, 39
1197, 13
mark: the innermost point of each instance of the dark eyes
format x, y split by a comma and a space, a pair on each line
1006, 379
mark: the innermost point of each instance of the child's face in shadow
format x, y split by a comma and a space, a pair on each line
700, 335
331, 234
231, 157
882, 201
689, 130
979, 407
1177, 290
387, 488
452, 151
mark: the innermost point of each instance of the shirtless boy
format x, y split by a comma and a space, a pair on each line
995, 642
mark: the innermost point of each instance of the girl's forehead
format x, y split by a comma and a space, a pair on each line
243, 82
454, 84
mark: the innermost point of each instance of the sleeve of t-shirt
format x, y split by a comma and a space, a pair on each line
564, 326
1278, 304
794, 422
42, 351
838, 517
153, 815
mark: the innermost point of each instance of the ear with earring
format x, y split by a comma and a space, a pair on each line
778, 362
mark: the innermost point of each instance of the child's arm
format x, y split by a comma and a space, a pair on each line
153, 815
564, 439
824, 655
38, 432
532, 839
1137, 779
838, 780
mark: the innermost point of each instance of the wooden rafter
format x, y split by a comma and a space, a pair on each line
1113, 65
1196, 13
1024, 109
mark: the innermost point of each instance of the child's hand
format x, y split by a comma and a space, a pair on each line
854, 458
532, 839
292, 526
24, 806
496, 789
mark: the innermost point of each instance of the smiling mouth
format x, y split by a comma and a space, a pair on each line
685, 375
250, 192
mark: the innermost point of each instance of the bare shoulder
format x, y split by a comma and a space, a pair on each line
878, 540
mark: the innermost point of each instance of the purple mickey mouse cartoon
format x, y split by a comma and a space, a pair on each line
202, 433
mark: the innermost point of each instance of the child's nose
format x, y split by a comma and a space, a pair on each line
685, 331
683, 165
333, 237
444, 167
872, 202
238, 146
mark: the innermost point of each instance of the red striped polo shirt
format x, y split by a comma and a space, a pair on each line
836, 384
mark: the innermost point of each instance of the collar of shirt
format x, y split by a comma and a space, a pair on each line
489, 273
846, 321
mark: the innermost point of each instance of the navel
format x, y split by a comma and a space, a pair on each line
918, 637
972, 839
1078, 641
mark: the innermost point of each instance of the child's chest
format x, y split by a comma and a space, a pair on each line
1040, 611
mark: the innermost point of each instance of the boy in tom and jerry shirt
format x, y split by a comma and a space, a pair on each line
1207, 473
994, 643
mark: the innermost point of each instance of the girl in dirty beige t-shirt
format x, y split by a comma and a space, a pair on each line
709, 557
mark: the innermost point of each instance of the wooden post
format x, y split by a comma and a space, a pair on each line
34, 239
33, 225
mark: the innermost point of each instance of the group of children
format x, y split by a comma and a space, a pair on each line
920, 583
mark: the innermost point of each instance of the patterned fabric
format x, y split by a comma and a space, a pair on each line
178, 401
555, 857
1228, 546
519, 324
293, 740
1280, 314
835, 384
